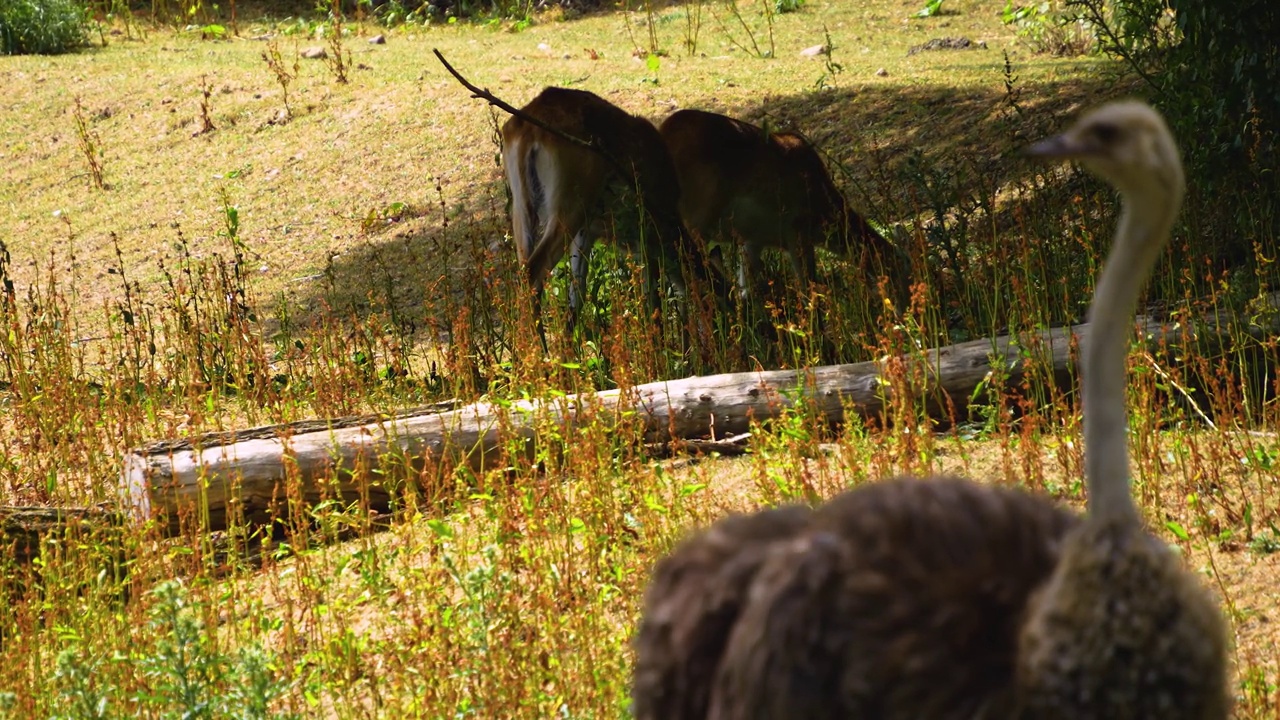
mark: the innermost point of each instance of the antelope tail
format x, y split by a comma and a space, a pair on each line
526, 195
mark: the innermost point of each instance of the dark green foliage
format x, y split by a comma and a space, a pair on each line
439, 10
1214, 68
1223, 81
42, 27
1229, 58
1222, 84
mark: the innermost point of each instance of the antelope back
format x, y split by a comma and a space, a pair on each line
739, 181
760, 190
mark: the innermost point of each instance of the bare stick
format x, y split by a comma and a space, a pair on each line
484, 94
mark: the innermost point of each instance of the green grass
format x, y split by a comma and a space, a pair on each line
346, 259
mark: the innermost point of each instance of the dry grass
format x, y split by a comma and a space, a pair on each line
339, 261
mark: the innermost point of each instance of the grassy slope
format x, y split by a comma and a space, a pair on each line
517, 602
403, 125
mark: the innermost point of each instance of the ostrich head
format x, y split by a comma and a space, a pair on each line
1128, 145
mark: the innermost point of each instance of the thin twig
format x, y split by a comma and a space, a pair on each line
484, 94
1186, 394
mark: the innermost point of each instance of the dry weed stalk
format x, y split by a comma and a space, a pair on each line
90, 145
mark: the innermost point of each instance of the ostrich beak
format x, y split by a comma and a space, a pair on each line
1065, 145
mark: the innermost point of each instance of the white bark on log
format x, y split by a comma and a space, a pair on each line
246, 473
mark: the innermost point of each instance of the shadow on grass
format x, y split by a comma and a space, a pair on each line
880, 141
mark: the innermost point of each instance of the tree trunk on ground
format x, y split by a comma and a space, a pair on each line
248, 474
22, 529
259, 474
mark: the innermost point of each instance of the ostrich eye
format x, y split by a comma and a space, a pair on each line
1106, 133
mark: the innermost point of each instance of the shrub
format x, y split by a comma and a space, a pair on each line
1214, 69
43, 27
1051, 27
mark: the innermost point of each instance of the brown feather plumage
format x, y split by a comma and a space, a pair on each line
693, 601
901, 599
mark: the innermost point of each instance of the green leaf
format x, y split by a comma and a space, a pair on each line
933, 7
441, 529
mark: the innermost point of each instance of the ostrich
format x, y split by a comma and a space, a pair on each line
939, 598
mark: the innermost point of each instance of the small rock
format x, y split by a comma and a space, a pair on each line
378, 40
314, 53
814, 51
882, 73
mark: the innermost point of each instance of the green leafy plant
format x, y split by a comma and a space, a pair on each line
1051, 27
652, 63
42, 27
931, 8
380, 218
1266, 542
831, 68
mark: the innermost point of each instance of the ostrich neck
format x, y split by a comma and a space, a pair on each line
1141, 234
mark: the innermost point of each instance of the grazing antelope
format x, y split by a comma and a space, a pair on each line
762, 190
565, 195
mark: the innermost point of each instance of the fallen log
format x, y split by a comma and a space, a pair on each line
213, 478
244, 474
23, 529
